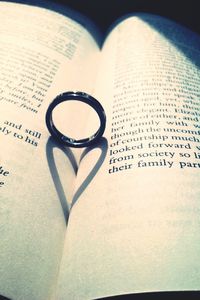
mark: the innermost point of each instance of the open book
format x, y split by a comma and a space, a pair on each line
120, 217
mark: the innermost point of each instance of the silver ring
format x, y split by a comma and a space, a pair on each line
68, 141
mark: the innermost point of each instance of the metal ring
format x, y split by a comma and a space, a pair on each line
68, 141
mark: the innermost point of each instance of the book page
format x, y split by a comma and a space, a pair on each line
42, 54
135, 228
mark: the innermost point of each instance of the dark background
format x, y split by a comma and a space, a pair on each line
104, 12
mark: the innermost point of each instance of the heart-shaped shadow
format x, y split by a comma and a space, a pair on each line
103, 146
51, 144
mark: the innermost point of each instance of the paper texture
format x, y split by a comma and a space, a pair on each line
42, 55
136, 226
